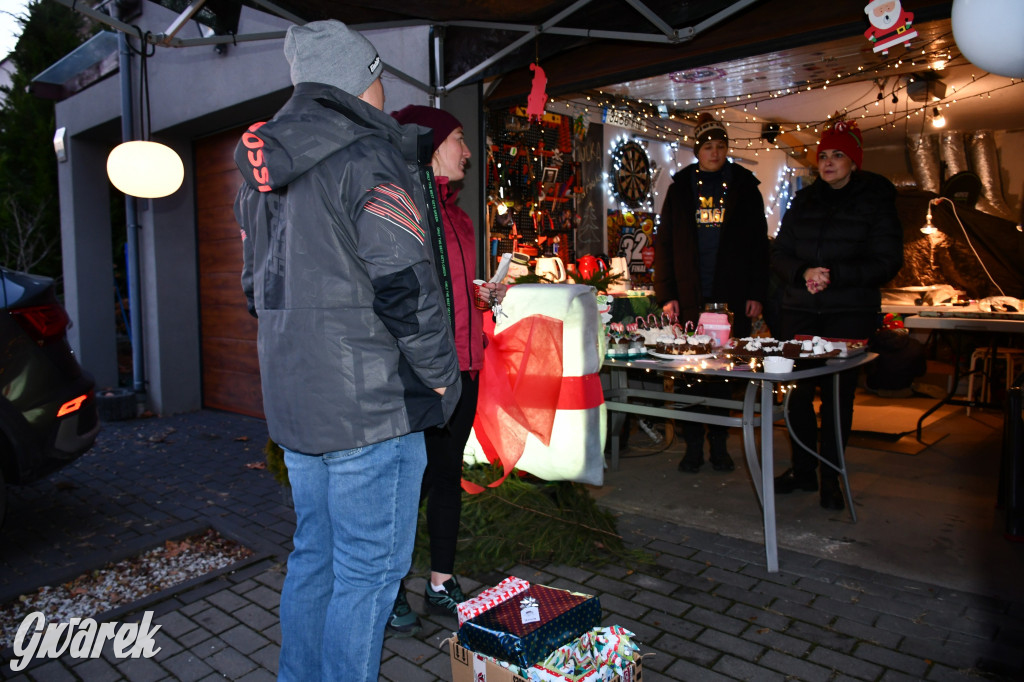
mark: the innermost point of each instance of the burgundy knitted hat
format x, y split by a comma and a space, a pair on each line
844, 136
441, 122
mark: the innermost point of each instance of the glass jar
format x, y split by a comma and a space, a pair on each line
719, 308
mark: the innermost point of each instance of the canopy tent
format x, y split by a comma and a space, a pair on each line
581, 43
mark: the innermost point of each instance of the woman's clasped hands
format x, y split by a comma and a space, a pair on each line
816, 279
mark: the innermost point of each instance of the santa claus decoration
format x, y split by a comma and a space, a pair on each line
891, 25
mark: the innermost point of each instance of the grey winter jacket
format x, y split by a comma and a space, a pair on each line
353, 331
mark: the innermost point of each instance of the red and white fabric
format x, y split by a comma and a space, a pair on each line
541, 407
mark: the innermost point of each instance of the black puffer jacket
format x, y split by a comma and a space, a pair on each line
853, 231
338, 266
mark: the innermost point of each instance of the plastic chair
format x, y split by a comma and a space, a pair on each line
1011, 356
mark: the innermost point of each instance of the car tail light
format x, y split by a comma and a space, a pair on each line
72, 405
42, 322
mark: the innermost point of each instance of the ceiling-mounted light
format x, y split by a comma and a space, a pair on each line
926, 87
145, 169
139, 167
938, 120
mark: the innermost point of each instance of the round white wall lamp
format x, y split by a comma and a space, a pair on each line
148, 170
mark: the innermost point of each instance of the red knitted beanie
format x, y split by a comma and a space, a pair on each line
844, 136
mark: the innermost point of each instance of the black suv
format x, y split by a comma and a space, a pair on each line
48, 414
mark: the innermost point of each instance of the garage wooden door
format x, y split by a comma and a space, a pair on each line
231, 373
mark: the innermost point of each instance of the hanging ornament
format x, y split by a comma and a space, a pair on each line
890, 25
538, 96
989, 34
580, 125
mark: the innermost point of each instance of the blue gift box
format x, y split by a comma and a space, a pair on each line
561, 617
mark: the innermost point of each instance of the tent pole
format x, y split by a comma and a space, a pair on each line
131, 219
438, 75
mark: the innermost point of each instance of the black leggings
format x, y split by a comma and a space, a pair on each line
442, 480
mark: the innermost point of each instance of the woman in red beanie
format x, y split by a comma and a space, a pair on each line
442, 480
839, 242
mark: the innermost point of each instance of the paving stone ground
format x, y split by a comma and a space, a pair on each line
704, 610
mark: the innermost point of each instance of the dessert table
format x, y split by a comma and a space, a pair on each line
758, 409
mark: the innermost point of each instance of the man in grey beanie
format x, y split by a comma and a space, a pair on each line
341, 267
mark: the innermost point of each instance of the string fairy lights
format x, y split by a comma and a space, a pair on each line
780, 195
671, 120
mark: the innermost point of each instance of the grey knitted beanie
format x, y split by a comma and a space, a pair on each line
331, 53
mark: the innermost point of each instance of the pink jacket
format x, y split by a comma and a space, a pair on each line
460, 242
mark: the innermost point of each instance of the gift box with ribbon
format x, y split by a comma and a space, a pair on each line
491, 597
541, 408
525, 629
608, 654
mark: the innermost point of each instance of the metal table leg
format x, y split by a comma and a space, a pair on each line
617, 380
771, 546
847, 492
840, 450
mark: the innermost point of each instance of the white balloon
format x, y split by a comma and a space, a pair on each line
990, 34
145, 169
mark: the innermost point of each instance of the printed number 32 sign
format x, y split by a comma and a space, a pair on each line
636, 247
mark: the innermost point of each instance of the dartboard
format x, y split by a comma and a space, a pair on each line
633, 174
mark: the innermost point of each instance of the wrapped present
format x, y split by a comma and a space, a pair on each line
541, 407
492, 596
526, 628
469, 666
601, 655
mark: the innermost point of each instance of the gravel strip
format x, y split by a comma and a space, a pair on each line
124, 582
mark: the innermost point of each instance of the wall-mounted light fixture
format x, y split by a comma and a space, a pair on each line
60, 147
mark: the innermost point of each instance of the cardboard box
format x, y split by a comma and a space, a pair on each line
509, 632
468, 666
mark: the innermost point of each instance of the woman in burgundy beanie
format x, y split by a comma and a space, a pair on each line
442, 480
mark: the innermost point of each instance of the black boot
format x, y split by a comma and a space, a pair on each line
791, 480
720, 459
831, 492
693, 435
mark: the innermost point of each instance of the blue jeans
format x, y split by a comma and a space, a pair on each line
355, 526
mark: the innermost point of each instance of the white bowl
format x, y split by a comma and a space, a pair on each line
777, 365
